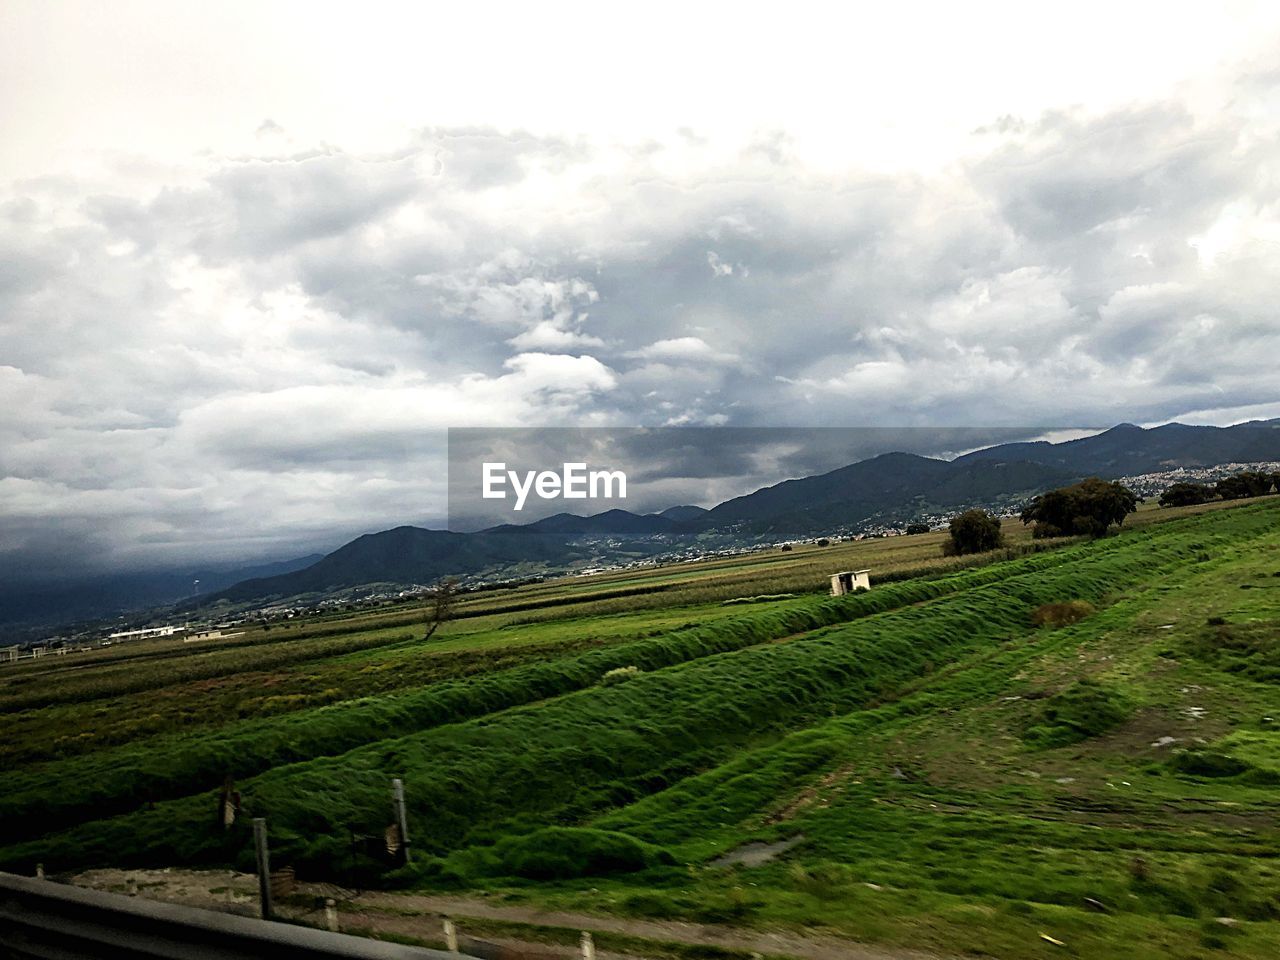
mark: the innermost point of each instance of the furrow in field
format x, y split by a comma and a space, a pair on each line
124, 678
122, 778
581, 754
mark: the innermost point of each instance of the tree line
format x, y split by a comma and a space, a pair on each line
1092, 507
1088, 508
1240, 486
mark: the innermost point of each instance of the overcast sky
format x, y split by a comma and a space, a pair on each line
255, 256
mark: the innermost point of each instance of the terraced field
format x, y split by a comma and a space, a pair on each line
1068, 750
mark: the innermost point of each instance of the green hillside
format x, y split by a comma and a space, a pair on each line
1068, 752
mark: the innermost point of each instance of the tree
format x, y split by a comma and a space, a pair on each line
1087, 508
974, 531
441, 606
1186, 494
1251, 483
914, 528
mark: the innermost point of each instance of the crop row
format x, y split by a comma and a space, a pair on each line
123, 678
122, 778
606, 746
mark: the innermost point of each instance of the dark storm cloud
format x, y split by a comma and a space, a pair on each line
264, 342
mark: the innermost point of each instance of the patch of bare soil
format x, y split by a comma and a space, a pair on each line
756, 853
766, 943
809, 795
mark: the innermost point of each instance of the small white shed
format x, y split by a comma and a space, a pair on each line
847, 581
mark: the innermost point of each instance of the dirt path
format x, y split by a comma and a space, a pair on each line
420, 916
811, 947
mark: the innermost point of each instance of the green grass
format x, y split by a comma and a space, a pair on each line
990, 841
121, 779
1080, 744
593, 748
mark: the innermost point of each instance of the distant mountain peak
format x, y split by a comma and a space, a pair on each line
844, 498
683, 512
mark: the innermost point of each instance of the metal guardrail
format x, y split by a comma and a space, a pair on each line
53, 921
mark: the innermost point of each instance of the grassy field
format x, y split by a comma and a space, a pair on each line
1058, 747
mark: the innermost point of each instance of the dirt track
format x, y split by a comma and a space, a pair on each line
420, 916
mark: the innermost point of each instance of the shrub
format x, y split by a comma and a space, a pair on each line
1083, 710
974, 531
619, 675
1206, 763
1087, 508
649, 903
1062, 614
561, 853
1187, 494
1251, 483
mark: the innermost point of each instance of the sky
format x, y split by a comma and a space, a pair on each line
256, 257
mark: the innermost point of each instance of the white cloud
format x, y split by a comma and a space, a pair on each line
682, 350
547, 336
249, 346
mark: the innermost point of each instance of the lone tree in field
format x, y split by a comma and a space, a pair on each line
441, 604
974, 531
1087, 508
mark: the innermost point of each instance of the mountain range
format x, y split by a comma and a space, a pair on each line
893, 487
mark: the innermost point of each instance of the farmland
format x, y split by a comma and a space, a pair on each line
1060, 741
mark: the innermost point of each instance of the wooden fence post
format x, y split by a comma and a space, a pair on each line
450, 936
264, 865
402, 822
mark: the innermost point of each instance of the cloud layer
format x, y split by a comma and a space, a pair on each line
256, 355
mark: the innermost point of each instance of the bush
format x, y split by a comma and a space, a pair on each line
1083, 710
974, 531
561, 853
1187, 495
649, 903
1062, 614
1206, 763
916, 528
1251, 483
1087, 508
619, 675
